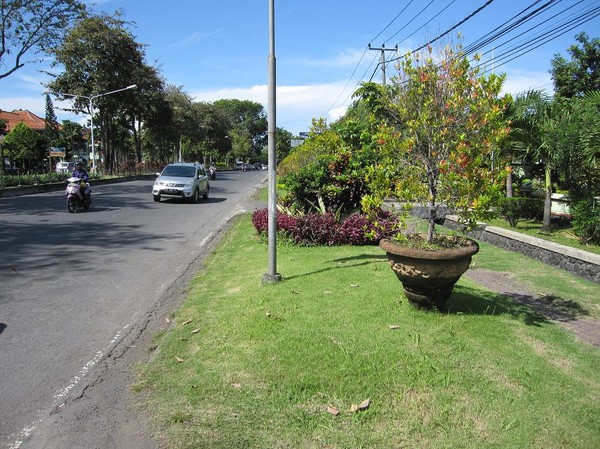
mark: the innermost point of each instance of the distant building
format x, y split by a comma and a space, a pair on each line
29, 119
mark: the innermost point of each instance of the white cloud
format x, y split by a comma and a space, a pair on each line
519, 81
296, 105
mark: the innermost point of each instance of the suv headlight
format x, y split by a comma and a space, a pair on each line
190, 183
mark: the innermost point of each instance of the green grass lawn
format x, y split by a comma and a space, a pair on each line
251, 365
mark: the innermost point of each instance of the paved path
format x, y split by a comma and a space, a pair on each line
586, 328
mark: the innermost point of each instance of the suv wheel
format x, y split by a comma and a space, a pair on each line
205, 196
157, 198
196, 196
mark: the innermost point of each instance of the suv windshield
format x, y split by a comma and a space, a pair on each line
178, 171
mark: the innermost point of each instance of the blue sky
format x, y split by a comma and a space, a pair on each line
219, 49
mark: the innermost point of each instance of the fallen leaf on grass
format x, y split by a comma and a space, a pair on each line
179, 359
362, 406
267, 313
186, 322
394, 326
354, 285
195, 331
332, 410
236, 385
167, 319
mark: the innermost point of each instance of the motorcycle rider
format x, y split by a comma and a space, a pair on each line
81, 173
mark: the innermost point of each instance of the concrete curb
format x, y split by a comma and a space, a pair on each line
581, 263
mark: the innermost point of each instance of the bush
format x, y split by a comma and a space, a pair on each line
510, 209
316, 229
586, 220
515, 209
324, 229
285, 223
358, 229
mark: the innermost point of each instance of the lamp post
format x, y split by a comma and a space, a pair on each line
272, 276
91, 108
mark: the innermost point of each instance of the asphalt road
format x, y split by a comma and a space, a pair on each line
79, 291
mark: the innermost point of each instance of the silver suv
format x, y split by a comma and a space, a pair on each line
184, 180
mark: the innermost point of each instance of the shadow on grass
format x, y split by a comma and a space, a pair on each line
347, 262
532, 310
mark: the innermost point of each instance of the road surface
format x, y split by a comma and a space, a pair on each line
79, 291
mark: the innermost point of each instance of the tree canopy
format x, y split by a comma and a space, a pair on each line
31, 28
581, 74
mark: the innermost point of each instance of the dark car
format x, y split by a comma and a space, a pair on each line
8, 170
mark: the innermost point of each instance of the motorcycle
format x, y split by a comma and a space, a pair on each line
212, 173
76, 194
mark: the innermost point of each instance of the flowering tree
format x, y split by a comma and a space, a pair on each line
448, 121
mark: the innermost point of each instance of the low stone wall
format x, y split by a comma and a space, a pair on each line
581, 263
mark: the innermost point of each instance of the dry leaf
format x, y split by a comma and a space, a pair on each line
167, 319
14, 269
179, 359
364, 404
186, 322
295, 292
236, 385
195, 331
394, 326
334, 411
354, 285
327, 292
267, 313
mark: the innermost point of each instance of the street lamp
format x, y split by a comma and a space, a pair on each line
272, 276
91, 108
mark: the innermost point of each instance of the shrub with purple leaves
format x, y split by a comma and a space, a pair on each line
359, 229
355, 230
323, 229
316, 229
285, 223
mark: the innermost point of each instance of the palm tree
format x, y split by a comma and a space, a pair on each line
534, 122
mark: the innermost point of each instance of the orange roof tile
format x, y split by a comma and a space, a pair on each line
29, 119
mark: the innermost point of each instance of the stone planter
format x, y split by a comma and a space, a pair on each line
428, 276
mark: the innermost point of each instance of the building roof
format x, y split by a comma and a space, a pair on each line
29, 119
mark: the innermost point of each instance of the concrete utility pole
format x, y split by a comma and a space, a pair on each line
382, 49
272, 276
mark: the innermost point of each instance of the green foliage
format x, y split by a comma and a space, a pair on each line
581, 74
586, 220
332, 165
22, 143
448, 120
513, 209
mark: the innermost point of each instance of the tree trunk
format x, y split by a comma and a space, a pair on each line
546, 225
509, 184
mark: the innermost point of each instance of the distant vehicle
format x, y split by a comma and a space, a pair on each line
184, 180
65, 167
8, 170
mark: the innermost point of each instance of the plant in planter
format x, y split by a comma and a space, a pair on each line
444, 121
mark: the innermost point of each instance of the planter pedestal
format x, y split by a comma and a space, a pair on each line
428, 276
